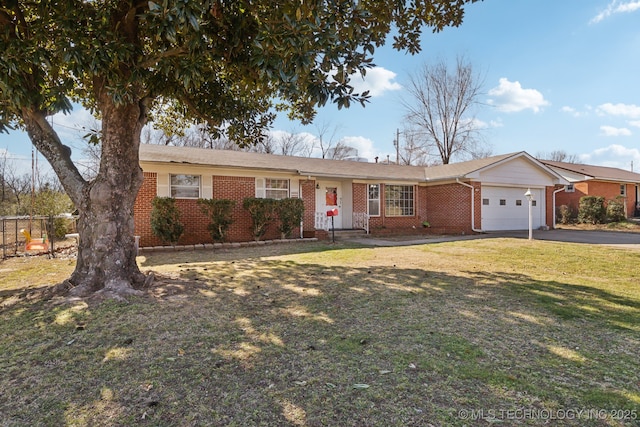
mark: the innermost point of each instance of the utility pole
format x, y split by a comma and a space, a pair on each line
397, 144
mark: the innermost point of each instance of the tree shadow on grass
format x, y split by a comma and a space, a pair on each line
570, 301
271, 342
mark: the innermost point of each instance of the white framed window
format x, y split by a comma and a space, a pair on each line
623, 189
373, 197
185, 186
485, 202
518, 202
570, 188
503, 202
398, 200
276, 188
272, 188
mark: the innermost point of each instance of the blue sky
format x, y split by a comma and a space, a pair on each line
558, 75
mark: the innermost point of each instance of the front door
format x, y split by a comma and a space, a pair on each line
329, 196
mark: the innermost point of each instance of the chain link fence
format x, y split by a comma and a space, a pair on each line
52, 228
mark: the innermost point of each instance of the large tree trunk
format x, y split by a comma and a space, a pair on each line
106, 253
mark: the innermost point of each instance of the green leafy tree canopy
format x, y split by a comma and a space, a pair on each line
224, 64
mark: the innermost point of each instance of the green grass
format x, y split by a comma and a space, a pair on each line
336, 335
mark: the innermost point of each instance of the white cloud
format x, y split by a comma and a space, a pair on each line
572, 111
613, 131
377, 81
635, 123
615, 156
496, 123
363, 145
631, 111
616, 7
510, 97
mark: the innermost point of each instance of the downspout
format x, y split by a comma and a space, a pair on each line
473, 205
300, 195
554, 205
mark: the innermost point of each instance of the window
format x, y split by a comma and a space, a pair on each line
485, 202
185, 186
623, 190
276, 188
518, 202
569, 188
331, 196
374, 199
534, 203
398, 200
503, 202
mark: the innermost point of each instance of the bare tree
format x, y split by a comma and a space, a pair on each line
558, 156
327, 141
340, 151
411, 151
3, 168
440, 109
17, 189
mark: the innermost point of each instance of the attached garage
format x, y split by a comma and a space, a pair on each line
507, 208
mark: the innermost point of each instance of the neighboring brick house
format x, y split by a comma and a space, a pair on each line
479, 195
587, 180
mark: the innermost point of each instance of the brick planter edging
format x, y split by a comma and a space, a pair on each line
224, 245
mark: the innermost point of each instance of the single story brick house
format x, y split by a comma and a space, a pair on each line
587, 180
466, 197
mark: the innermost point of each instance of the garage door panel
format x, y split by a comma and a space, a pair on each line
506, 208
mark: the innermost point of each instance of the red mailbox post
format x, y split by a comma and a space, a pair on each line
332, 213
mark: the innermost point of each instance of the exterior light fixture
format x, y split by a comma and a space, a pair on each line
529, 197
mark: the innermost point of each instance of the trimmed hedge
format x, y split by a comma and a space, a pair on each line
219, 212
165, 220
290, 212
591, 210
615, 210
262, 212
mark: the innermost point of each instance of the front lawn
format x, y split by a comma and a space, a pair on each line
470, 333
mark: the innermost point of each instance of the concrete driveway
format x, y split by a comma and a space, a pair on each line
615, 238
609, 238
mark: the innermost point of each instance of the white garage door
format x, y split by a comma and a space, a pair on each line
506, 208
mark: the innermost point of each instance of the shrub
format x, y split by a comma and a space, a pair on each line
615, 210
219, 213
566, 215
261, 212
165, 220
51, 203
290, 212
591, 210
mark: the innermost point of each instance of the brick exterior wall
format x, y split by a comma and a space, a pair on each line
449, 208
386, 224
308, 189
142, 209
608, 190
360, 198
195, 222
549, 206
237, 189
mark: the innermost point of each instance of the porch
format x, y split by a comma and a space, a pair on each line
359, 221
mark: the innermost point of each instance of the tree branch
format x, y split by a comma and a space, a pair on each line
46, 140
150, 62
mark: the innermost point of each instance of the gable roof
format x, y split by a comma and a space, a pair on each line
590, 172
309, 166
